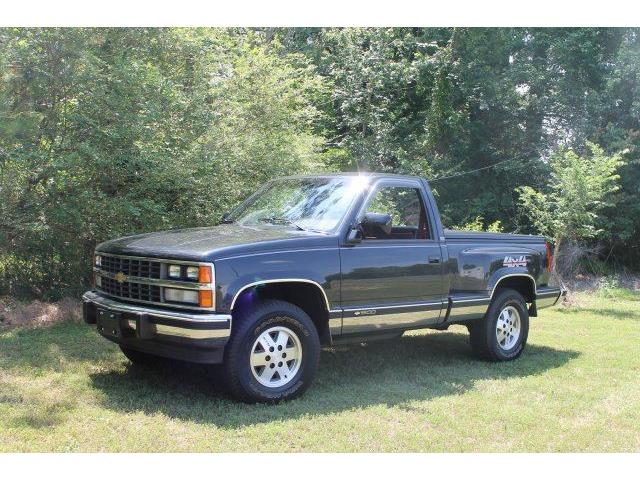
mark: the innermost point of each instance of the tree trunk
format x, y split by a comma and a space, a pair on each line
556, 253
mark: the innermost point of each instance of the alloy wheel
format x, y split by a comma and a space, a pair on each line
508, 328
276, 356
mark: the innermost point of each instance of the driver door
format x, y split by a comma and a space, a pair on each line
393, 280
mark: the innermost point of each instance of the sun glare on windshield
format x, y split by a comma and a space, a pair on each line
316, 204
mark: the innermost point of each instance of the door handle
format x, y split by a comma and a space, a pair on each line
434, 259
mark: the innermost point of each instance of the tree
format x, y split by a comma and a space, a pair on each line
617, 129
439, 102
109, 132
580, 187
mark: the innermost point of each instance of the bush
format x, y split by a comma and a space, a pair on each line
569, 210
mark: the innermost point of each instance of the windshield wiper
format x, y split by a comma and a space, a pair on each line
281, 221
226, 218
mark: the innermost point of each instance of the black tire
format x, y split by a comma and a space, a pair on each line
140, 358
483, 335
250, 324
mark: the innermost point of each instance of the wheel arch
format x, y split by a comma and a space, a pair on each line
523, 283
304, 293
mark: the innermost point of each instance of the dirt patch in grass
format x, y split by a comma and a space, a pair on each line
597, 283
37, 313
622, 285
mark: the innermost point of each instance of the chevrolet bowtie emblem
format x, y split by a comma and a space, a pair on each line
120, 277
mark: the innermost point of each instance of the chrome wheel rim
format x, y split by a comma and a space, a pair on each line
275, 357
508, 328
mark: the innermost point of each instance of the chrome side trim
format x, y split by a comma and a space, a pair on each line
467, 308
427, 241
388, 307
548, 297
281, 280
369, 320
551, 292
107, 303
467, 312
335, 326
467, 300
526, 275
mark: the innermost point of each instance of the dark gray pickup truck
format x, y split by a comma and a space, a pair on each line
309, 261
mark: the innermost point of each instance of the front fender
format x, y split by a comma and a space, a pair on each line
242, 285
318, 267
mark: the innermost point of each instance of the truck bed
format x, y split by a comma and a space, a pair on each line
466, 236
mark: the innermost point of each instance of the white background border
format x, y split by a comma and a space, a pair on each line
321, 466
319, 13
327, 13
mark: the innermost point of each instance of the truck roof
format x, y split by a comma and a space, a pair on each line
355, 174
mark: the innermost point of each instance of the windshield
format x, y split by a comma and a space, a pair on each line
305, 203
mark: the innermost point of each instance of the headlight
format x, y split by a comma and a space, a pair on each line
193, 273
181, 296
98, 261
175, 271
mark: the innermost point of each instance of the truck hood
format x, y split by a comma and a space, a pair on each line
208, 243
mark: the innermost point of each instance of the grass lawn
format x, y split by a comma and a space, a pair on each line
576, 388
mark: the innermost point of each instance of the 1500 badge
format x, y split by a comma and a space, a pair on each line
519, 261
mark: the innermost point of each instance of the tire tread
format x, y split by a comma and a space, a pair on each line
244, 323
481, 333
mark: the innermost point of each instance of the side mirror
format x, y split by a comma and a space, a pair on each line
354, 236
376, 224
225, 217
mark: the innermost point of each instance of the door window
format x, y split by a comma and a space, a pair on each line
405, 207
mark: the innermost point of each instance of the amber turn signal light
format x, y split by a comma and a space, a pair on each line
204, 275
205, 298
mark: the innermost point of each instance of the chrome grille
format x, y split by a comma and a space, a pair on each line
131, 267
131, 290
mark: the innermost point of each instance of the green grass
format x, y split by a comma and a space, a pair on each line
576, 388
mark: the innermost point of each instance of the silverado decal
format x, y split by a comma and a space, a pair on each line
519, 261
364, 312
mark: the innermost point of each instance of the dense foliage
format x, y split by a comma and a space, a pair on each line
578, 191
105, 132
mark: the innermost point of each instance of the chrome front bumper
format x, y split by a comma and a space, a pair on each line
165, 322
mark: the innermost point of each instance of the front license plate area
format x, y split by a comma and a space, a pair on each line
108, 323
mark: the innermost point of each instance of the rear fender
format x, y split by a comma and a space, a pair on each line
518, 278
